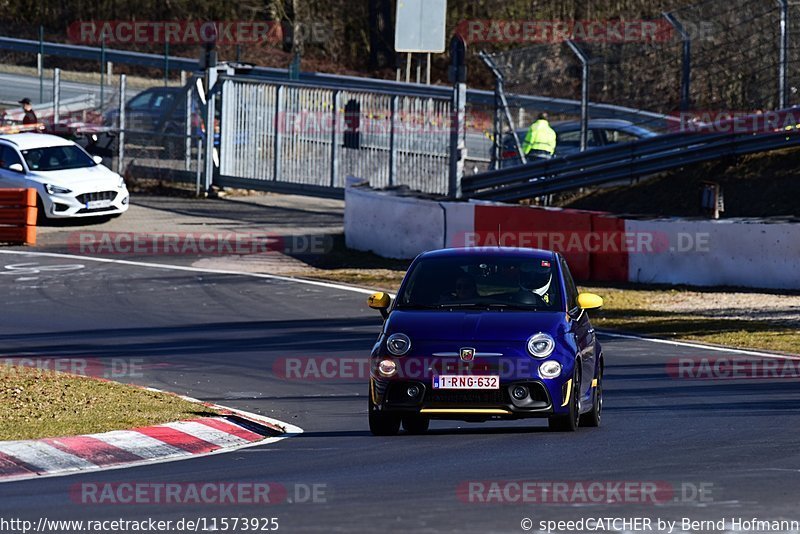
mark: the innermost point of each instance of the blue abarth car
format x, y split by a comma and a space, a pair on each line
486, 333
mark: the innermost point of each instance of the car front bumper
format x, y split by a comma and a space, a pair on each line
85, 203
394, 396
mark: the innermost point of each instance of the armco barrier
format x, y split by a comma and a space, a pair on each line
18, 216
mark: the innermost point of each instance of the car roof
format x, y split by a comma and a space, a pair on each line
593, 123
503, 252
26, 141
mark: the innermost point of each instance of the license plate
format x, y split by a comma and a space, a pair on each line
466, 382
95, 204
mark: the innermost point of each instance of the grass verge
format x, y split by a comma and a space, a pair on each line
36, 403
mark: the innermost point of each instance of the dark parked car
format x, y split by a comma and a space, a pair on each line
157, 116
602, 132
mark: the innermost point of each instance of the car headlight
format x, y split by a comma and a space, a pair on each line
121, 183
56, 190
541, 345
550, 369
398, 344
387, 367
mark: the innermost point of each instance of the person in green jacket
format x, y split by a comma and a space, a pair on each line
540, 141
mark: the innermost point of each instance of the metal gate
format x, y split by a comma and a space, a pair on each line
310, 137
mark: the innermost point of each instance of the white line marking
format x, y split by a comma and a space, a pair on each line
139, 444
206, 433
44, 457
699, 346
329, 285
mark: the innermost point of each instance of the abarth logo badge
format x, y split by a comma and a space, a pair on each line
467, 354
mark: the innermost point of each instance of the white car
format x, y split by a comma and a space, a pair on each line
70, 182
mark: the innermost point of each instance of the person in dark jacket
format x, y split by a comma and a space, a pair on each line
30, 116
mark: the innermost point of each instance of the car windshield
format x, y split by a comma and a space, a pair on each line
56, 158
482, 282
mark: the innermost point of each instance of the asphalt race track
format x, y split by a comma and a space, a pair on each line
218, 337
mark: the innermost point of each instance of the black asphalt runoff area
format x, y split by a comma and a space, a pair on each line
715, 449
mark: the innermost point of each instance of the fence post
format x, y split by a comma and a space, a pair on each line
584, 92
334, 146
686, 60
458, 105
40, 64
187, 144
102, 72
121, 135
393, 140
56, 94
210, 119
279, 118
783, 67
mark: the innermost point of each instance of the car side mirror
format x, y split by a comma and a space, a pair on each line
380, 301
16, 167
97, 159
590, 301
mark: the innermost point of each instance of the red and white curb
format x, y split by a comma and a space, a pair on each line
119, 449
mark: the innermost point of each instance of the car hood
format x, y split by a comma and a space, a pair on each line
97, 175
434, 325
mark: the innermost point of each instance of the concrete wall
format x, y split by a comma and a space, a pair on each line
719, 253
392, 226
664, 251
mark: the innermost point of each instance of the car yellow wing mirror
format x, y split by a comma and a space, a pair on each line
590, 301
380, 301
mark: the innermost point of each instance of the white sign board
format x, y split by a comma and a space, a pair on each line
420, 26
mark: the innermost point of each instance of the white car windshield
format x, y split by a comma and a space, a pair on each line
56, 158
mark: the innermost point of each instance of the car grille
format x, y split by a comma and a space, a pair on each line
99, 195
494, 396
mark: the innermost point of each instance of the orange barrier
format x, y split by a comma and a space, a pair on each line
18, 216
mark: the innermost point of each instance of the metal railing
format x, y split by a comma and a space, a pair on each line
622, 162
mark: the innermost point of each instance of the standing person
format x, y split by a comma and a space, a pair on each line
540, 141
30, 116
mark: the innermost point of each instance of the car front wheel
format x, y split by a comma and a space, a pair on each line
382, 424
416, 424
593, 417
569, 421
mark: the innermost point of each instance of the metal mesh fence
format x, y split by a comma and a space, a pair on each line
734, 63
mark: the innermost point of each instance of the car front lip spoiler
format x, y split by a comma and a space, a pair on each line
489, 411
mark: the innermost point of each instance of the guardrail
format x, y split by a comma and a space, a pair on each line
18, 216
621, 162
333, 81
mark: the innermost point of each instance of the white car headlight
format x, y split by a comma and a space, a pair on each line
550, 369
398, 344
121, 183
387, 368
56, 190
541, 345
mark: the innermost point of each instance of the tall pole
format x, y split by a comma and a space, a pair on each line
583, 58
102, 72
783, 59
56, 95
686, 60
40, 64
121, 134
